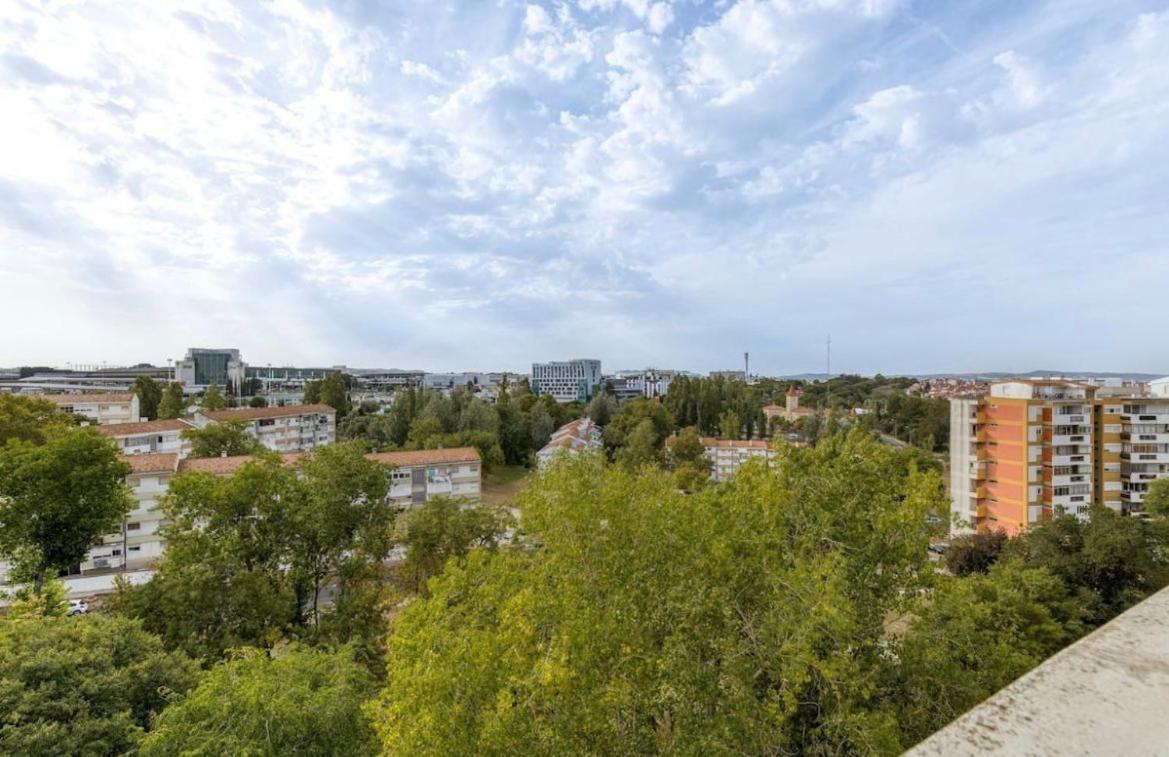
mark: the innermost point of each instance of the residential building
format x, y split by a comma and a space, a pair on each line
288, 428
574, 437
204, 367
139, 543
728, 455
419, 475
149, 437
1036, 448
102, 409
1022, 454
571, 381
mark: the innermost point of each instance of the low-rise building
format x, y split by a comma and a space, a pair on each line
139, 543
102, 409
290, 428
790, 411
728, 455
574, 437
149, 437
419, 475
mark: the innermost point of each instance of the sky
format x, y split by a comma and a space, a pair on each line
941, 186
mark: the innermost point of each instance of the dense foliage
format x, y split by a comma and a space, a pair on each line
86, 685
30, 419
225, 439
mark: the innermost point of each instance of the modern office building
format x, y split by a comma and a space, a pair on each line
149, 437
728, 455
574, 437
1033, 449
115, 407
571, 381
203, 367
289, 428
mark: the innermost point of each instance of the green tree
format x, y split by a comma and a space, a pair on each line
88, 685
601, 408
256, 401
173, 403
300, 701
542, 425
312, 392
631, 618
1157, 498
686, 456
213, 399
622, 425
30, 419
149, 396
225, 439
442, 529
335, 394
975, 553
56, 499
730, 425
641, 447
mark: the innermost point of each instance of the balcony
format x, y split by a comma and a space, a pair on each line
1076, 459
1080, 438
1104, 694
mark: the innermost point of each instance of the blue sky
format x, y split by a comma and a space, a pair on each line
941, 186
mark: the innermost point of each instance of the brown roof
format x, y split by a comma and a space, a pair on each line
773, 408
145, 427
710, 441
162, 462
793, 392
427, 456
71, 399
255, 413
228, 465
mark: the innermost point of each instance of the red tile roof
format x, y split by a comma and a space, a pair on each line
145, 427
223, 466
255, 413
73, 399
162, 462
710, 441
426, 457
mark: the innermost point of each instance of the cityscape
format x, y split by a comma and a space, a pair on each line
598, 377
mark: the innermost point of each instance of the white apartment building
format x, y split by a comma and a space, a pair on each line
149, 437
139, 543
99, 408
728, 455
574, 437
291, 428
419, 475
571, 381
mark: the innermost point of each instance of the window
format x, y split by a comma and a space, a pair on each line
133, 526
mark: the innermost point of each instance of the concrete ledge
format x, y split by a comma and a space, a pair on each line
1107, 694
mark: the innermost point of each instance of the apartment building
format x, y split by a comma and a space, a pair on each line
574, 437
728, 455
1032, 449
419, 475
139, 543
290, 428
571, 381
149, 437
102, 409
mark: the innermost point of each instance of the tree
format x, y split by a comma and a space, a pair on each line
213, 399
686, 456
56, 499
85, 685
601, 408
975, 553
631, 618
1157, 498
256, 401
630, 416
641, 447
730, 426
149, 396
299, 701
542, 425
335, 394
30, 419
442, 529
173, 403
312, 392
225, 439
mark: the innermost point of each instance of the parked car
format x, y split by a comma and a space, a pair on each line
938, 549
77, 607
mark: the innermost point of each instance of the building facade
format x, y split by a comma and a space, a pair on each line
728, 455
290, 428
574, 437
1035, 449
102, 409
203, 367
149, 437
571, 381
419, 475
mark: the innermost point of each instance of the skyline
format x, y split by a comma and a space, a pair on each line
480, 186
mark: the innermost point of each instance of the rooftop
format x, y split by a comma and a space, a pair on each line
145, 427
227, 465
710, 441
73, 399
163, 462
256, 413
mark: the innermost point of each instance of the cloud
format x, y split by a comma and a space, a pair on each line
479, 185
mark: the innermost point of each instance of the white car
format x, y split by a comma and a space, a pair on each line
77, 607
